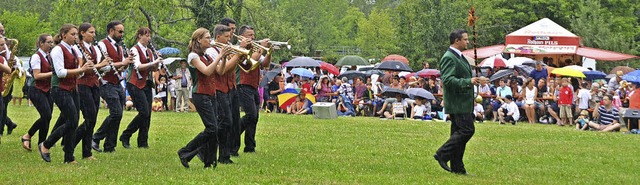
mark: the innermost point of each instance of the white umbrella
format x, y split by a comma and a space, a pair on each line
512, 62
576, 67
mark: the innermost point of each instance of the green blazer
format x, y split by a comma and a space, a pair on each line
456, 82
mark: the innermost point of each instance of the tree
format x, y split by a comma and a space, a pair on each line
376, 35
20, 25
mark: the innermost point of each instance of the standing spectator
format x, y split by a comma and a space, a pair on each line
565, 102
634, 103
614, 83
608, 117
183, 79
539, 73
161, 91
584, 96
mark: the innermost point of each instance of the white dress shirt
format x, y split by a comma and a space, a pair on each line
58, 58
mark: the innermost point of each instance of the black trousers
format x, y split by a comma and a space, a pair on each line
66, 102
225, 120
250, 104
142, 101
6, 121
89, 105
462, 129
115, 98
44, 104
234, 99
205, 142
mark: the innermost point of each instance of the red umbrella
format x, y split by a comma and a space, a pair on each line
493, 62
330, 68
428, 73
396, 58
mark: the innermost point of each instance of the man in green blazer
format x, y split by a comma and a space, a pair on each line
458, 85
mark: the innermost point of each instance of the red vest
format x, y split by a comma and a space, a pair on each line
113, 53
2, 61
90, 78
45, 67
231, 78
70, 62
205, 84
133, 77
252, 78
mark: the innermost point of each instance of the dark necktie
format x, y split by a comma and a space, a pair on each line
118, 49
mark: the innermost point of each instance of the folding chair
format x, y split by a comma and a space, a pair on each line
398, 111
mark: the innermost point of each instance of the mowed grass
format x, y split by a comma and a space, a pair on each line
347, 150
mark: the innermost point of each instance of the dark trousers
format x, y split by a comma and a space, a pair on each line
462, 130
235, 120
44, 104
205, 142
225, 122
115, 98
142, 101
89, 105
6, 121
250, 104
66, 102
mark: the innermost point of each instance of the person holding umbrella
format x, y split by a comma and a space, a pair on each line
458, 99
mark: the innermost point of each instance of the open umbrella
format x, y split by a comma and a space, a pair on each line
428, 73
268, 77
169, 51
493, 62
624, 69
396, 58
577, 67
374, 71
594, 75
420, 92
633, 76
394, 66
524, 70
512, 62
330, 68
353, 74
288, 96
303, 62
500, 74
351, 60
568, 72
392, 93
302, 72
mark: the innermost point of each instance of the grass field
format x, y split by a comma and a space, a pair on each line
303, 150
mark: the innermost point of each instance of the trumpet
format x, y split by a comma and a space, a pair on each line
241, 51
278, 44
256, 44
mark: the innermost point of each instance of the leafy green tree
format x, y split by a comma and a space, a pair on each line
25, 27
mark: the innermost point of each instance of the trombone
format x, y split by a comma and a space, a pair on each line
241, 51
256, 44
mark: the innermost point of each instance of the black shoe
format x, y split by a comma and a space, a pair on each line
513, 122
143, 146
95, 145
442, 162
109, 150
214, 165
464, 172
184, 161
225, 161
235, 154
125, 142
45, 156
10, 128
249, 150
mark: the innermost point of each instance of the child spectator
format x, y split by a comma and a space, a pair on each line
478, 110
156, 106
161, 91
584, 96
565, 101
419, 109
582, 123
509, 111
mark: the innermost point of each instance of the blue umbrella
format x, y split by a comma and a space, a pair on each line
302, 72
169, 51
594, 75
633, 76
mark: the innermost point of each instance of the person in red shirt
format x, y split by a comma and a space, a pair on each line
634, 103
564, 102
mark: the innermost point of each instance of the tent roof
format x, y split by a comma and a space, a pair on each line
600, 54
485, 52
543, 27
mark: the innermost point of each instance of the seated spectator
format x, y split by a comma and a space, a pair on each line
274, 91
478, 110
582, 123
345, 106
346, 90
368, 97
302, 105
529, 94
501, 92
324, 89
156, 106
395, 83
509, 111
387, 106
634, 103
418, 110
607, 116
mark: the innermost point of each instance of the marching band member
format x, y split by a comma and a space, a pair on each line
40, 63
6, 121
63, 82
4, 68
204, 95
111, 90
234, 101
248, 93
88, 88
139, 90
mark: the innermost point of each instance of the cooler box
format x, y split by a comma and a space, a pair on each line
324, 110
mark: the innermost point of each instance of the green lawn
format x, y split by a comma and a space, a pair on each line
303, 150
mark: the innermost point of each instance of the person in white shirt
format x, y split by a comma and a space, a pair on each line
478, 110
509, 111
418, 109
293, 84
583, 98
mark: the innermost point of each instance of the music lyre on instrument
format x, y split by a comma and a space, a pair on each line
115, 71
88, 58
241, 51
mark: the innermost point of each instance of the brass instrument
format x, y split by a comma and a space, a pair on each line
8, 78
277, 44
255, 44
241, 51
115, 71
88, 58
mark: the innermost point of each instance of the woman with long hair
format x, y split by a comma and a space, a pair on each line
39, 90
529, 94
63, 82
204, 96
